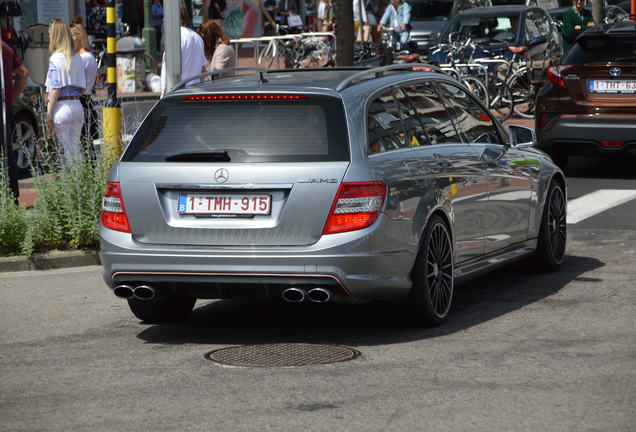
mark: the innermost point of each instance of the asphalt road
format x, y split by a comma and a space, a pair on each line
521, 352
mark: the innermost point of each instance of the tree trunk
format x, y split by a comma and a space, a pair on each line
344, 33
598, 11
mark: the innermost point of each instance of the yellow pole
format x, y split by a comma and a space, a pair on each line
111, 114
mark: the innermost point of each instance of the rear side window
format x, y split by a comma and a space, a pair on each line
431, 113
386, 125
603, 49
473, 120
312, 130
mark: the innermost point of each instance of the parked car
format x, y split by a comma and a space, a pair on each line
502, 29
27, 127
589, 106
430, 17
383, 184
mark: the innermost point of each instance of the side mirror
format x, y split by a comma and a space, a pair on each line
521, 136
537, 41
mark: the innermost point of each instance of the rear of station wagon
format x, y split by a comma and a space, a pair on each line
267, 185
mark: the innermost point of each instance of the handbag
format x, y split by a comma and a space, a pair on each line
294, 21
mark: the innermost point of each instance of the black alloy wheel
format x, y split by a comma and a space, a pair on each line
433, 276
553, 231
557, 224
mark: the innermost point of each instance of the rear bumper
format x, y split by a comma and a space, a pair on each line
362, 264
583, 135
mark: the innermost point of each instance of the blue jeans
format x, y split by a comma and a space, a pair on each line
402, 37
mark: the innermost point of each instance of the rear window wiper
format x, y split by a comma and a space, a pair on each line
220, 156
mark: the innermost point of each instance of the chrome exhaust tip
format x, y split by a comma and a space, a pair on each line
144, 292
294, 295
319, 295
123, 291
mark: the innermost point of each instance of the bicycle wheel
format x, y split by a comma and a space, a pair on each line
476, 87
271, 55
502, 103
523, 93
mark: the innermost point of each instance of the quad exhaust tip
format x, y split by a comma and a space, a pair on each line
124, 291
298, 295
141, 292
319, 295
294, 295
144, 292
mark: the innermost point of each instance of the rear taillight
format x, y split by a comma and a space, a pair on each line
554, 74
542, 119
113, 212
357, 206
612, 143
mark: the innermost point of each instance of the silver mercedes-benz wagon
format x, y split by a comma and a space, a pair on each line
391, 183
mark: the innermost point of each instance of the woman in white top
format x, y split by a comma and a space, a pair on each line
65, 82
90, 130
217, 46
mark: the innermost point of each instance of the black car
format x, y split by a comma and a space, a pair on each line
496, 29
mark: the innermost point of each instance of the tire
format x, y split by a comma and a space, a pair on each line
502, 102
553, 231
167, 309
523, 93
476, 87
24, 142
431, 296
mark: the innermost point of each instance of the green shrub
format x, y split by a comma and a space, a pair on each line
66, 212
13, 219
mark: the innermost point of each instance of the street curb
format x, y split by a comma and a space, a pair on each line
49, 260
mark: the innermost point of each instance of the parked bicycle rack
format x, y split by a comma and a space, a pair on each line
452, 67
256, 42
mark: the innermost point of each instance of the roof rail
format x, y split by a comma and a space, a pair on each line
379, 71
212, 74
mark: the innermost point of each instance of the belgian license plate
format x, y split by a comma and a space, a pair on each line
613, 86
208, 204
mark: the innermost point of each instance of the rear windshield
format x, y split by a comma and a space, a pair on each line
311, 130
604, 49
431, 10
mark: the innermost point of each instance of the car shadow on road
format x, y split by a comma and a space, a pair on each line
239, 322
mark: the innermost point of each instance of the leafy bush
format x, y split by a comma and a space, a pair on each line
13, 220
66, 212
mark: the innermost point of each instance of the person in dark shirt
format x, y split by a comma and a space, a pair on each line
575, 21
285, 9
15, 76
213, 9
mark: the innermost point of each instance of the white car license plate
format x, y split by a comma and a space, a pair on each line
206, 204
613, 86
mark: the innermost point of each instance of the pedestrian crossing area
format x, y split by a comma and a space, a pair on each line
597, 202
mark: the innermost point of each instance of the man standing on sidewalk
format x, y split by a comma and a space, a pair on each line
15, 76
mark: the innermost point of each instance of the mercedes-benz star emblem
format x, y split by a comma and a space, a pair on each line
615, 71
221, 175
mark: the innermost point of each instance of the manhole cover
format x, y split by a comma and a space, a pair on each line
281, 354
